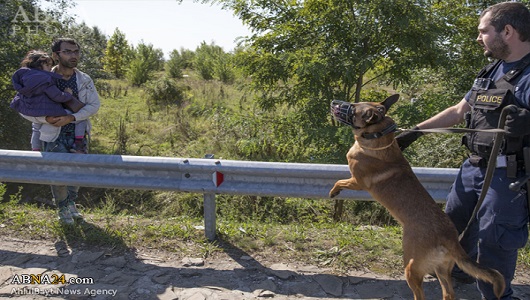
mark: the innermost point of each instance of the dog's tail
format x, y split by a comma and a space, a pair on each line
483, 273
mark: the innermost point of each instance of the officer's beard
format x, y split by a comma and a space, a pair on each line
498, 49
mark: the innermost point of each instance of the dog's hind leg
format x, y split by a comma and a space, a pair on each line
414, 280
350, 183
443, 272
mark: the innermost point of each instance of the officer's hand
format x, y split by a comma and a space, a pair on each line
408, 137
518, 123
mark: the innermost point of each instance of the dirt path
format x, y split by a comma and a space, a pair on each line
100, 274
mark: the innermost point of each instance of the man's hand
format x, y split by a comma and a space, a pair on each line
406, 138
61, 120
518, 123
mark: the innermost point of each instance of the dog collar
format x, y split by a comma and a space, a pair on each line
376, 135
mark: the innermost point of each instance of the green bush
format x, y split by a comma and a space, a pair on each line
165, 91
212, 62
146, 60
15, 132
434, 149
2, 190
224, 68
174, 65
204, 64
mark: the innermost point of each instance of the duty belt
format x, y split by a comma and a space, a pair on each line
509, 162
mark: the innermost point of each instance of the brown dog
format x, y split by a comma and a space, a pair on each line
430, 240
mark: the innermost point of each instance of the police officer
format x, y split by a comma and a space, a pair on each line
501, 226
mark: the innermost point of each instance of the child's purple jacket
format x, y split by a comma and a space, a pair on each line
38, 94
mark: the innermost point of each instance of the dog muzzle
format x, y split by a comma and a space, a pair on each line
343, 112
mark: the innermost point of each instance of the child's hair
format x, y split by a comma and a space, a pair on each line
34, 59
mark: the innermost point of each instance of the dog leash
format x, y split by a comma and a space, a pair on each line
491, 166
499, 134
454, 130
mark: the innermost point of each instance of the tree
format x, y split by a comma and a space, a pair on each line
224, 67
93, 46
459, 42
179, 61
117, 54
212, 62
188, 56
146, 60
331, 49
174, 65
205, 60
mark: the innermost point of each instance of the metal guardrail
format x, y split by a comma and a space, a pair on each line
206, 176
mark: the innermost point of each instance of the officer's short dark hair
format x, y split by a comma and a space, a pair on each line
510, 13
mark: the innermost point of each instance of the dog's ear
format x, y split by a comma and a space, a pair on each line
390, 101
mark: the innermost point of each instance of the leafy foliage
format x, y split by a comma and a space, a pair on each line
175, 65
431, 150
188, 58
331, 49
93, 44
179, 61
165, 91
458, 43
117, 54
146, 60
212, 62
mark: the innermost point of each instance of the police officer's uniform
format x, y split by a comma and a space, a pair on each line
502, 227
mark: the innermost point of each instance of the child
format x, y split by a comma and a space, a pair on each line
38, 95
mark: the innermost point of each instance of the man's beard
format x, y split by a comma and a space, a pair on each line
66, 63
69, 64
498, 49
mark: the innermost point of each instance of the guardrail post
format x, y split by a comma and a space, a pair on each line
209, 212
209, 216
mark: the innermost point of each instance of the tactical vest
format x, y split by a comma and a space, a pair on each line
487, 100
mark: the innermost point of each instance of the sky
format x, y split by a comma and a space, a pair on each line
166, 24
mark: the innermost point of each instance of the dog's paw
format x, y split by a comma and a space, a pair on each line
333, 193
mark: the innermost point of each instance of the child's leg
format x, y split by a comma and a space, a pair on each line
80, 129
36, 144
80, 142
